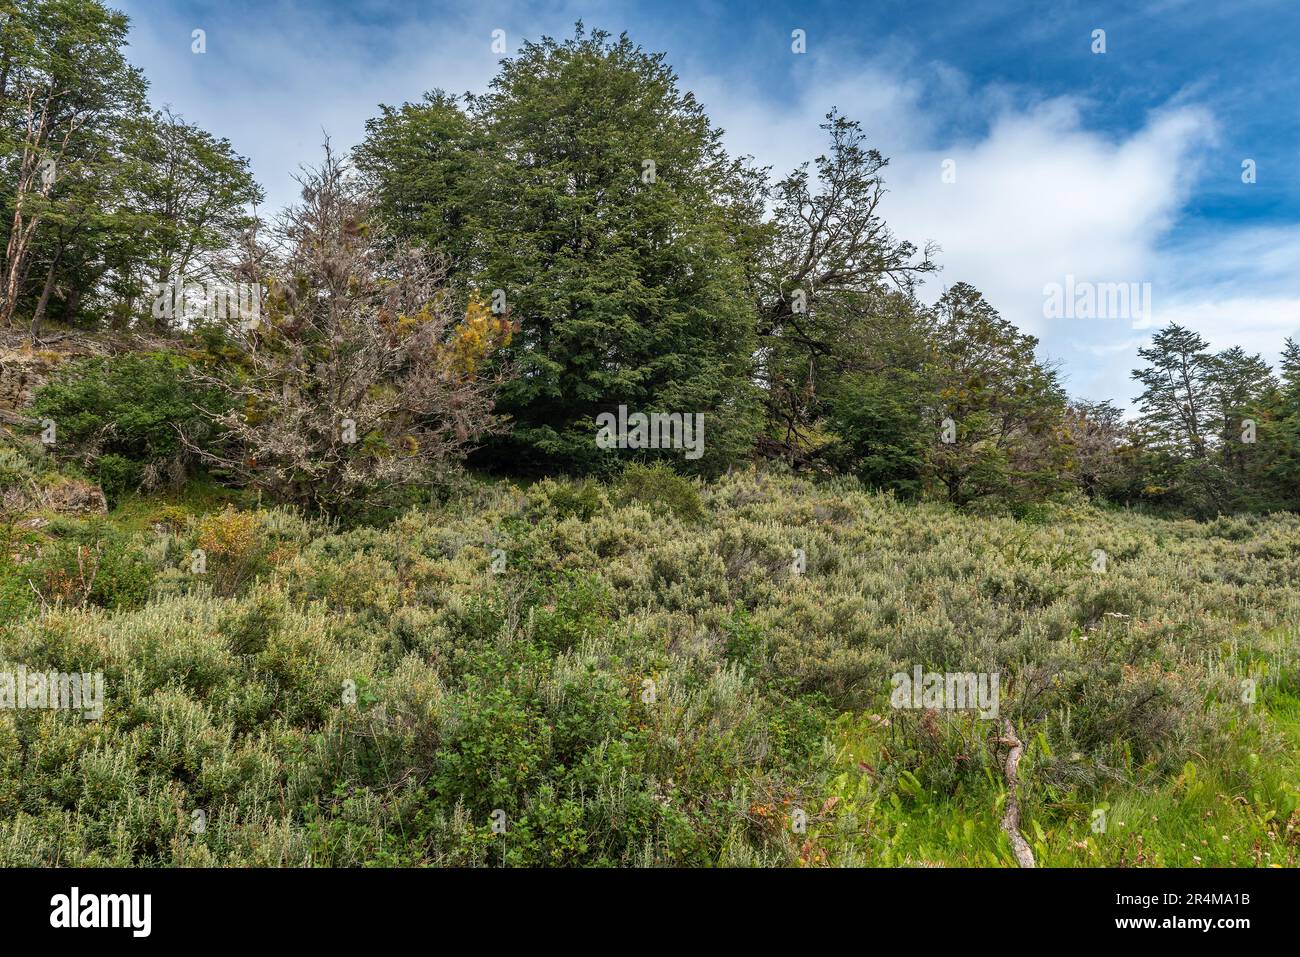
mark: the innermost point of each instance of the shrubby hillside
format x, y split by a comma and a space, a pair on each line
330, 499
648, 678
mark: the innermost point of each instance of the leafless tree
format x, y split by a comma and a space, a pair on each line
361, 374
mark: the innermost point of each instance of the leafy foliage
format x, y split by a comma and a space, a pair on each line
122, 418
634, 692
658, 486
620, 275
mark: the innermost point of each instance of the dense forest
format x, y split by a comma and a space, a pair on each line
613, 474
582, 241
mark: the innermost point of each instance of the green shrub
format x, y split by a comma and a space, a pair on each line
117, 475
15, 593
880, 430
581, 499
91, 564
657, 485
120, 418
630, 690
24, 473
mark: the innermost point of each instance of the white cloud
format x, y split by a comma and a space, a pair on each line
275, 79
1041, 193
1256, 323
1236, 288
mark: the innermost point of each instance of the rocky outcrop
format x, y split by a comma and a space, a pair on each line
21, 374
24, 368
73, 496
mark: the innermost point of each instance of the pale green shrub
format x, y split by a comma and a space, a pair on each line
526, 690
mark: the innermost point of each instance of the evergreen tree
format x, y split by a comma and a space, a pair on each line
875, 394
1242, 408
1281, 469
420, 161
1175, 400
591, 200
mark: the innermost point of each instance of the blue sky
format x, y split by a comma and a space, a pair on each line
1115, 167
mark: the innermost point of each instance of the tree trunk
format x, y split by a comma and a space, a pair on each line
7, 290
953, 485
39, 315
74, 302
9, 294
162, 324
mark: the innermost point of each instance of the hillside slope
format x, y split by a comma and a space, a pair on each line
652, 673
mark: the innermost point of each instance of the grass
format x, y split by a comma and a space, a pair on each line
136, 513
1209, 815
644, 674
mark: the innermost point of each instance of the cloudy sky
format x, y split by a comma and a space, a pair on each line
1123, 166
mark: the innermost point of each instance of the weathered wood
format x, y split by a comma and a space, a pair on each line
1011, 816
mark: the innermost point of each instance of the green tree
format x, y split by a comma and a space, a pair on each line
63, 83
1175, 402
193, 193
1280, 444
598, 212
995, 423
875, 394
1175, 420
824, 274
100, 196
1242, 409
1212, 426
88, 216
419, 161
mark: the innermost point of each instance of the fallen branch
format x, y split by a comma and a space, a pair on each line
50, 340
1011, 817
